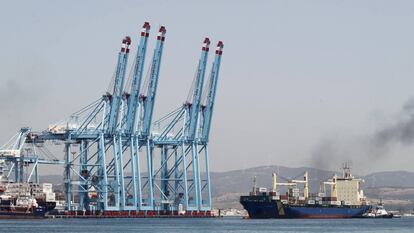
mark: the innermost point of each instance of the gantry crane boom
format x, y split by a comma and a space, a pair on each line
149, 100
118, 84
198, 88
137, 78
207, 110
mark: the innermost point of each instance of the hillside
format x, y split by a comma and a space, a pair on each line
390, 179
396, 188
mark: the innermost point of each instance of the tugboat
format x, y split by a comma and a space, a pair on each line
346, 199
378, 212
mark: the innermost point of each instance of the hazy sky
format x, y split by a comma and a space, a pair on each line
302, 82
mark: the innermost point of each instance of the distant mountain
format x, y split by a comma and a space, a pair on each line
242, 180
54, 179
390, 179
395, 187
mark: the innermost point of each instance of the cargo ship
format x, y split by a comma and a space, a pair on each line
345, 199
23, 199
26, 200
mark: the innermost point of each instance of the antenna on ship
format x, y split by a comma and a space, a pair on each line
346, 170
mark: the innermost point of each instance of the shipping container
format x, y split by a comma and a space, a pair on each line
50, 197
329, 199
276, 197
262, 190
283, 197
334, 203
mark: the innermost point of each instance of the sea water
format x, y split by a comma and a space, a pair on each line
228, 224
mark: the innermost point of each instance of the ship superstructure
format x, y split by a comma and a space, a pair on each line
347, 188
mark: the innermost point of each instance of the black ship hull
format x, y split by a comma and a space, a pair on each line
35, 213
259, 208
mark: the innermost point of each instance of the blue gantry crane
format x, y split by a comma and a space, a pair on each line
181, 146
133, 100
119, 85
21, 153
207, 107
117, 160
147, 100
193, 109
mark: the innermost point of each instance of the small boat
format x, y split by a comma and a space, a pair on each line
378, 212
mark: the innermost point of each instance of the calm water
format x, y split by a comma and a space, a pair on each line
400, 225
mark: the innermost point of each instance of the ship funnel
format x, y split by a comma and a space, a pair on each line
254, 191
306, 188
334, 191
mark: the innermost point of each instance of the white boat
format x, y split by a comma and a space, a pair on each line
378, 212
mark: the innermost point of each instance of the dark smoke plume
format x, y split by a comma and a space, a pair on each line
401, 131
331, 151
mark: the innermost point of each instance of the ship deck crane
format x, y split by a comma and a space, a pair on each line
331, 183
293, 182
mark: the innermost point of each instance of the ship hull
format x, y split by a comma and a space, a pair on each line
35, 213
276, 209
325, 212
48, 206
